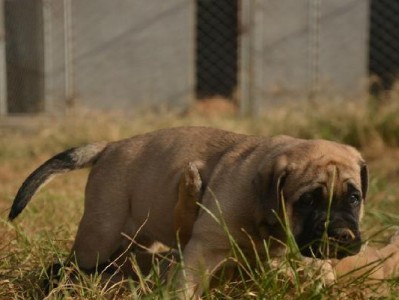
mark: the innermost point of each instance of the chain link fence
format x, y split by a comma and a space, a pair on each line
384, 44
216, 48
126, 54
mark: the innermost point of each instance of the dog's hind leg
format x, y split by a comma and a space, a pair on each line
106, 214
99, 236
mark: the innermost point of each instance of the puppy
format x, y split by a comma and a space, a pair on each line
134, 184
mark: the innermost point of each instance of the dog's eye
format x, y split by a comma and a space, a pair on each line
354, 199
307, 200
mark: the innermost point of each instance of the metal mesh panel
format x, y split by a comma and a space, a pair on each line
24, 56
384, 42
216, 48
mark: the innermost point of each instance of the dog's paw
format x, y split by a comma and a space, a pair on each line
395, 237
320, 269
53, 277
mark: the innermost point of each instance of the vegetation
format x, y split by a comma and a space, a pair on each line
45, 231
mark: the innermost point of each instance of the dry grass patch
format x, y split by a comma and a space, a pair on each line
45, 231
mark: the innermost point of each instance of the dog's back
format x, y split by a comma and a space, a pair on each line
147, 168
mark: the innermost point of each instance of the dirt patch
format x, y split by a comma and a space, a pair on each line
214, 107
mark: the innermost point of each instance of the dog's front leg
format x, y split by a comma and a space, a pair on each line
200, 261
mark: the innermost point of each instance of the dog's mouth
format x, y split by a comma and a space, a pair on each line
330, 250
345, 243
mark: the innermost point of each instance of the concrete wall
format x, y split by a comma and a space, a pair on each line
120, 54
127, 54
308, 46
132, 53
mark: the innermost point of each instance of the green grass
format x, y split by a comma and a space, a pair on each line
45, 231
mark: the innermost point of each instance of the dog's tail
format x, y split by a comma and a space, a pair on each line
72, 159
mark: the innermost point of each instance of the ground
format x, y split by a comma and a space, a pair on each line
45, 230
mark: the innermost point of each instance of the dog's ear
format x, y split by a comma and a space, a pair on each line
269, 184
364, 178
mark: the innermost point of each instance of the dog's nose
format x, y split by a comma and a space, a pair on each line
343, 235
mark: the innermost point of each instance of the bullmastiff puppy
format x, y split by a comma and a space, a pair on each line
133, 188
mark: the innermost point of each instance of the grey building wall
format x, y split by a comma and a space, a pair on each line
127, 54
308, 46
344, 34
119, 54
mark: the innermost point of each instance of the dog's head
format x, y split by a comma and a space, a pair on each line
323, 185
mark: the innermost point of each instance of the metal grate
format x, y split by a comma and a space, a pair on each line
384, 43
216, 48
24, 56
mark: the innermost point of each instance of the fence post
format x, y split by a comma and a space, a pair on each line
246, 70
3, 86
